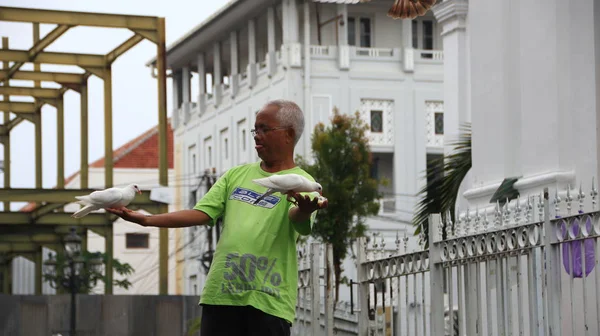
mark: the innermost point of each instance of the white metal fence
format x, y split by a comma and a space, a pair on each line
526, 267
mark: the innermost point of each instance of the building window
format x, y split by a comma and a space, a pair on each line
244, 140
415, 34
375, 168
422, 35
209, 157
428, 35
192, 158
137, 240
376, 121
434, 111
226, 149
439, 123
359, 35
194, 285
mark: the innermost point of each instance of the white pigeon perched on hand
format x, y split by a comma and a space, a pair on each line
287, 183
108, 198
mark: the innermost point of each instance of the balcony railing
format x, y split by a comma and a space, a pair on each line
387, 206
429, 55
374, 52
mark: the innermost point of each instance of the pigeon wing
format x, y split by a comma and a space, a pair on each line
287, 182
106, 197
267, 183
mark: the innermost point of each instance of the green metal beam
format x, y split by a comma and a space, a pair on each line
123, 48
18, 107
57, 77
58, 218
39, 238
60, 196
19, 247
78, 18
30, 92
82, 60
39, 46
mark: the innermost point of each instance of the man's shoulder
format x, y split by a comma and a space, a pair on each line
241, 168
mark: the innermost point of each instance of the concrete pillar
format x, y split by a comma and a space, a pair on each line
234, 75
217, 79
271, 29
534, 100
271, 48
452, 15
201, 83
186, 96
177, 91
251, 53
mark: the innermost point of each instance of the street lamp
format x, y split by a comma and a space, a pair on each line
72, 274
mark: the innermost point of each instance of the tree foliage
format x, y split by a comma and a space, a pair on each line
89, 276
341, 165
441, 190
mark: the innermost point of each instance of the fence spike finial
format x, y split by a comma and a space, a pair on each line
580, 198
540, 207
449, 228
467, 224
528, 210
506, 213
405, 240
477, 220
441, 229
594, 193
498, 214
517, 216
458, 231
569, 199
557, 201
397, 242
485, 220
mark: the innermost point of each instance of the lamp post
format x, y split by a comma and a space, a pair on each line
74, 273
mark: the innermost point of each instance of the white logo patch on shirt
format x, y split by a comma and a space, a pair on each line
250, 196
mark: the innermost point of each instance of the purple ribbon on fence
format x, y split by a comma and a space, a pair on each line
573, 248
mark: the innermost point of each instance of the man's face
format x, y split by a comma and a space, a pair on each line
272, 140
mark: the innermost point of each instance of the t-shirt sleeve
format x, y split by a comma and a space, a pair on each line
213, 202
305, 228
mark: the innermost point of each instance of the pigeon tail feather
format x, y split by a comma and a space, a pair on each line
83, 211
268, 193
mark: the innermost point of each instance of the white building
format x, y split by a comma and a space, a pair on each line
533, 117
320, 54
134, 162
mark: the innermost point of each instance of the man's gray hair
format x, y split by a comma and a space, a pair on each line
290, 115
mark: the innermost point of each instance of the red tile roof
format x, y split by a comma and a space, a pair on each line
141, 152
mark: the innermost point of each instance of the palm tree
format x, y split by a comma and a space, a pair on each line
441, 190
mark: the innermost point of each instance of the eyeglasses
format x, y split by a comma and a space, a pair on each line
254, 132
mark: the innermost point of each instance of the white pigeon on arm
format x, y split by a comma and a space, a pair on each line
286, 184
108, 198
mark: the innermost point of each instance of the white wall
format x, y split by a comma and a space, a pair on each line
533, 99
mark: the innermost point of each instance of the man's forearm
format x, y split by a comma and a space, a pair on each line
177, 219
300, 220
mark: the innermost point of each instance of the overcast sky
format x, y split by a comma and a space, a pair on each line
134, 90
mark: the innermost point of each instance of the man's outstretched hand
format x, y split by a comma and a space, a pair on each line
128, 215
306, 204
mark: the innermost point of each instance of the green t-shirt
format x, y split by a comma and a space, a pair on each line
255, 262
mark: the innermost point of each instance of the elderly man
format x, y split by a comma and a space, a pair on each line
252, 283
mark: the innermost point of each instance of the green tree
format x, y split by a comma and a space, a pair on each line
342, 166
441, 190
88, 274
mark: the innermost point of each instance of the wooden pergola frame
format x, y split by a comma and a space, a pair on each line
24, 233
